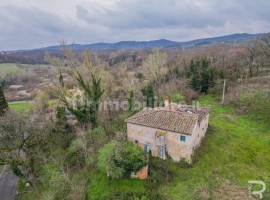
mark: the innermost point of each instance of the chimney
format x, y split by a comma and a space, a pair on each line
166, 101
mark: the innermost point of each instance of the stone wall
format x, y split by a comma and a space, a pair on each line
147, 135
200, 131
175, 148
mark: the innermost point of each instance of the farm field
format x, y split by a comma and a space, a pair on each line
7, 68
19, 105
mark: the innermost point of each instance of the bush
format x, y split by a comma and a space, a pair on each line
159, 173
74, 155
190, 95
255, 101
184, 163
129, 195
120, 158
177, 98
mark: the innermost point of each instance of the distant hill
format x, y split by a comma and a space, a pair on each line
36, 56
162, 43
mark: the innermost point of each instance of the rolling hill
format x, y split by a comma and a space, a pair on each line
162, 43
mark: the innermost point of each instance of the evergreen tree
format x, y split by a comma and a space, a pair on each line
207, 75
131, 101
3, 102
148, 93
87, 108
63, 131
201, 74
61, 79
193, 73
61, 119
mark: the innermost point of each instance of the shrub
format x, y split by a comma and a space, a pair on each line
190, 95
177, 98
74, 155
184, 163
120, 158
129, 195
159, 173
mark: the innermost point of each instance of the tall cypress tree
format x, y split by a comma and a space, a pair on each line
131, 100
3, 102
148, 93
61, 79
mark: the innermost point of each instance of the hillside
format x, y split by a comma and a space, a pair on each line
36, 56
234, 151
73, 147
162, 43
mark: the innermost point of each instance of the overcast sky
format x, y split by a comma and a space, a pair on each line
26, 24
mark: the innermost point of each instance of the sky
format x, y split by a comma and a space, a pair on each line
27, 24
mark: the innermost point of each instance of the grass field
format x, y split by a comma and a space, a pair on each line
102, 188
24, 105
35, 65
235, 150
6, 68
19, 106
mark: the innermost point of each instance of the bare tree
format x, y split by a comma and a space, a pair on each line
154, 66
21, 142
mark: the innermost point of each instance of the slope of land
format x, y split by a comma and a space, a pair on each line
235, 150
162, 43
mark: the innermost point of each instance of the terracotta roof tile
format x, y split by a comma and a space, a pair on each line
180, 122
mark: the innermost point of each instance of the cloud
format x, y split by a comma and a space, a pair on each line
151, 14
22, 28
36, 23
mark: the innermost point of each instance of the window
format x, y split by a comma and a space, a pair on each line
182, 138
147, 148
136, 141
161, 152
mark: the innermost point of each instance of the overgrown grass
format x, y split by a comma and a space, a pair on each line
100, 187
236, 149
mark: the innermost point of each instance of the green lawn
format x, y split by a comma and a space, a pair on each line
24, 105
20, 106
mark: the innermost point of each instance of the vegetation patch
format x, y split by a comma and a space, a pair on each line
235, 151
8, 68
100, 187
19, 106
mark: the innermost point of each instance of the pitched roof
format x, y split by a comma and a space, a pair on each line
202, 112
162, 118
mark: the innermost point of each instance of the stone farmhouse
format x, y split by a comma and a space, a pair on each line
173, 130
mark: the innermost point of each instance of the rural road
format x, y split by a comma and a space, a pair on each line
8, 184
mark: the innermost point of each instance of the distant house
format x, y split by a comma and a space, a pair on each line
174, 130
